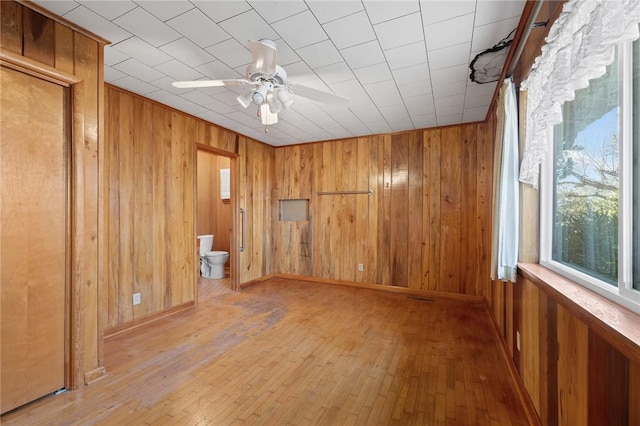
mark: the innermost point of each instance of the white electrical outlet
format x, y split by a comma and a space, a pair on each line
360, 267
136, 298
518, 340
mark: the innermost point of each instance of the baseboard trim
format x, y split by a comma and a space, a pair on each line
257, 281
387, 288
94, 375
521, 390
131, 325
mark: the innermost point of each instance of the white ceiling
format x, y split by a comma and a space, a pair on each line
403, 64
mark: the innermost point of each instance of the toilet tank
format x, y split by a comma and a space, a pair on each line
206, 242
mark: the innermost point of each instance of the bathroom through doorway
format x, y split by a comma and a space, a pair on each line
214, 215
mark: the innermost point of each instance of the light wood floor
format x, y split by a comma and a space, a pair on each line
293, 353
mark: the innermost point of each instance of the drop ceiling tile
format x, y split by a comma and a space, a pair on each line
335, 73
407, 55
477, 101
300, 73
320, 54
188, 52
386, 87
400, 31
217, 70
420, 105
412, 74
366, 113
111, 74
449, 33
198, 28
363, 55
489, 35
300, 30
474, 114
379, 127
415, 89
99, 25
166, 98
109, 9
232, 53
402, 125
113, 56
165, 10
373, 73
273, 11
221, 10
147, 27
138, 70
350, 30
327, 11
449, 89
191, 108
445, 120
58, 7
380, 11
248, 26
475, 89
492, 11
198, 97
449, 101
450, 75
437, 11
135, 85
449, 56
394, 112
227, 98
442, 111
423, 121
286, 55
179, 71
390, 99
141, 50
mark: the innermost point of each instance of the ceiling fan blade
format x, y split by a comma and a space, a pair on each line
209, 83
319, 95
265, 55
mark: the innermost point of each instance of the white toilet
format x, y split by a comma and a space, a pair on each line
211, 262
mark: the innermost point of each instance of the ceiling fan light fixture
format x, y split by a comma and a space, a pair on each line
285, 99
260, 94
245, 100
274, 106
267, 116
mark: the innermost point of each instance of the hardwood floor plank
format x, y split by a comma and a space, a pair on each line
288, 352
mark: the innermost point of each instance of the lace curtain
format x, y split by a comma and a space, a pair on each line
580, 44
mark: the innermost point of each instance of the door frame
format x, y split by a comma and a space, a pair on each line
74, 306
233, 249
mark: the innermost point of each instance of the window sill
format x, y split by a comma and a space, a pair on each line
614, 323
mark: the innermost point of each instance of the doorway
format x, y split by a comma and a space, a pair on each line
34, 246
214, 206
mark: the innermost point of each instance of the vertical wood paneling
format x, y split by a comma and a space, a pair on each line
573, 350
151, 171
450, 182
11, 26
38, 38
418, 228
634, 394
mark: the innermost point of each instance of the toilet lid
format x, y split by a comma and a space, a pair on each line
215, 253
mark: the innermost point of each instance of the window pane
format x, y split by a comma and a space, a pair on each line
585, 217
636, 164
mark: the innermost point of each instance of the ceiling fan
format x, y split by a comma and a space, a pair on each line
270, 88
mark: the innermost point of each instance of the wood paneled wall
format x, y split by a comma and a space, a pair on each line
30, 32
213, 215
151, 174
572, 374
425, 226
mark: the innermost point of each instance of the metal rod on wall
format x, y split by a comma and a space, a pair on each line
368, 192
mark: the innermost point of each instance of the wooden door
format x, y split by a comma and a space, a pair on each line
33, 242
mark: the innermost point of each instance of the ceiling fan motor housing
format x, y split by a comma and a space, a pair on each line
255, 75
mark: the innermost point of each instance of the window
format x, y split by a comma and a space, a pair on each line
591, 184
